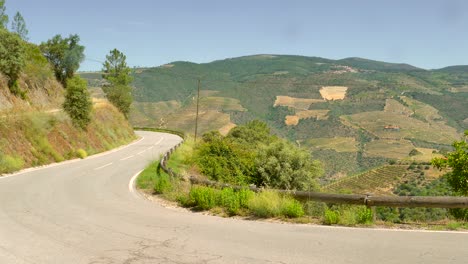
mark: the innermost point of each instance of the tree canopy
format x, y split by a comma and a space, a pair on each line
3, 15
65, 56
12, 56
250, 154
115, 68
457, 161
18, 26
78, 103
117, 73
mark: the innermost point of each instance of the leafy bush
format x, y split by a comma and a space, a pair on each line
284, 166
364, 215
81, 153
203, 197
10, 164
331, 217
12, 58
162, 184
291, 208
265, 204
229, 199
78, 103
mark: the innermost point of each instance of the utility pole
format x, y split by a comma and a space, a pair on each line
196, 118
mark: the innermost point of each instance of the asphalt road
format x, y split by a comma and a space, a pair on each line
85, 212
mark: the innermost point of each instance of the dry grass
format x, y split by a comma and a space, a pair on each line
333, 92
291, 120
422, 110
339, 144
426, 155
225, 129
392, 149
374, 122
297, 103
393, 106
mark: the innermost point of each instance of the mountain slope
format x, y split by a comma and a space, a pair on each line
374, 105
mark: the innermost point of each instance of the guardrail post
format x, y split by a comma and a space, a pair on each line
372, 208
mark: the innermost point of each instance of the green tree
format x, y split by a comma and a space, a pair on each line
285, 166
457, 161
12, 58
18, 26
120, 96
3, 15
78, 103
117, 73
457, 177
65, 56
115, 68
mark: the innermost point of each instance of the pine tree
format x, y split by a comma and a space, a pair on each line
3, 15
18, 26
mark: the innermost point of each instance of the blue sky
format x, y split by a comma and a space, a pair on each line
427, 34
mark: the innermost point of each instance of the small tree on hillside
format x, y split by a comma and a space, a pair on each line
284, 166
78, 103
3, 15
12, 58
65, 56
18, 26
117, 73
457, 177
120, 96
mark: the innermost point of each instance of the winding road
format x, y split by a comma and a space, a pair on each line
87, 211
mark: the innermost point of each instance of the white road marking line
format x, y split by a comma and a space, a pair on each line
129, 157
141, 152
150, 148
103, 166
162, 138
131, 184
32, 169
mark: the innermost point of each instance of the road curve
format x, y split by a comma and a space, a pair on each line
84, 212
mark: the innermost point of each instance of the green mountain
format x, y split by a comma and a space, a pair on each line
353, 114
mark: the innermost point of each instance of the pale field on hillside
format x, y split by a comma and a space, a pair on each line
293, 120
375, 122
296, 103
393, 106
225, 129
392, 149
333, 92
339, 144
422, 110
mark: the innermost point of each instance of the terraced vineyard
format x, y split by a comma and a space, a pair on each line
376, 181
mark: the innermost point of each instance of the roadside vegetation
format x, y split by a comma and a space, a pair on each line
227, 201
46, 112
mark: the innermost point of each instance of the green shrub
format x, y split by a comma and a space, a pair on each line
244, 197
315, 209
78, 103
81, 153
229, 199
291, 208
265, 204
203, 197
10, 164
162, 184
364, 215
331, 217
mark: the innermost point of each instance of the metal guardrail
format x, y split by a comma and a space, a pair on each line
357, 199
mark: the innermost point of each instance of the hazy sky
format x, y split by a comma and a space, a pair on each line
425, 33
